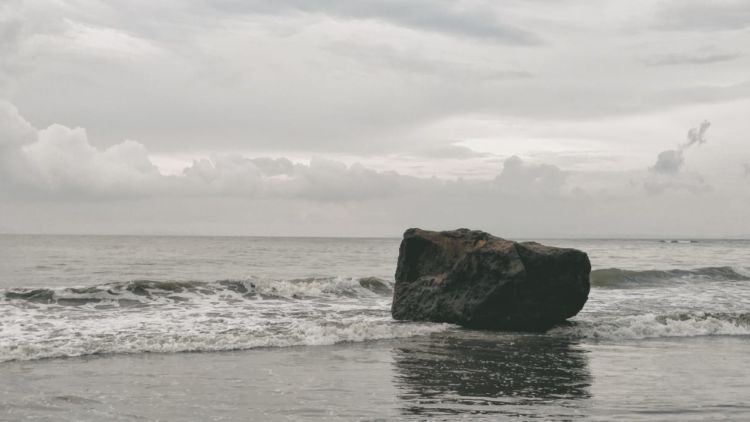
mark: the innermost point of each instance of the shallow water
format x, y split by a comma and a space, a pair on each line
288, 330
445, 376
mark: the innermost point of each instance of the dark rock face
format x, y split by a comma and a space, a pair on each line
474, 279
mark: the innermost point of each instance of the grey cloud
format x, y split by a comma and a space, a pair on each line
669, 162
476, 20
697, 135
690, 59
698, 94
746, 168
277, 79
690, 182
698, 15
518, 177
666, 172
382, 56
10, 35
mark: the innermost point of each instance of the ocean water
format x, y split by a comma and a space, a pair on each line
230, 328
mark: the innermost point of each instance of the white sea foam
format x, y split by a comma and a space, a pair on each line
207, 317
297, 334
635, 327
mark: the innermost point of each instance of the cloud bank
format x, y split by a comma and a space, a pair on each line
61, 162
56, 175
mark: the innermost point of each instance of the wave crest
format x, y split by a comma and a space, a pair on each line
144, 292
619, 278
637, 327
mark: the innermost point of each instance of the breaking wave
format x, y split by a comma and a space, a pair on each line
148, 316
645, 326
144, 292
227, 337
619, 278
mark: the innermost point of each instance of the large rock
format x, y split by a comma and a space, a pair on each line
474, 279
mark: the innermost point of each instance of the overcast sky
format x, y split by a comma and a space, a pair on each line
527, 119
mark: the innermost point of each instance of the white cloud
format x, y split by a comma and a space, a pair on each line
62, 161
14, 129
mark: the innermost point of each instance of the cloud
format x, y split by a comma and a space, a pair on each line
383, 83
697, 15
466, 19
746, 168
697, 135
690, 59
697, 94
14, 129
690, 182
354, 77
320, 180
666, 172
668, 162
60, 162
671, 161
450, 151
329, 180
518, 177
398, 59
93, 40
62, 182
10, 35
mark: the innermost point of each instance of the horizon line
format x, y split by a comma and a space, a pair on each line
611, 237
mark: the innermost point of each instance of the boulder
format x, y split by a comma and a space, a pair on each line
477, 280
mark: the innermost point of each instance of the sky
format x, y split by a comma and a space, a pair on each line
527, 119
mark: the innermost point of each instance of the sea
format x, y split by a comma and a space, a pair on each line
160, 328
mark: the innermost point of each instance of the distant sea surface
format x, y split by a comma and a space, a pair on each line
131, 328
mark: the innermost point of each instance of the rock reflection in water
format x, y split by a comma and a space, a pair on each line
469, 372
